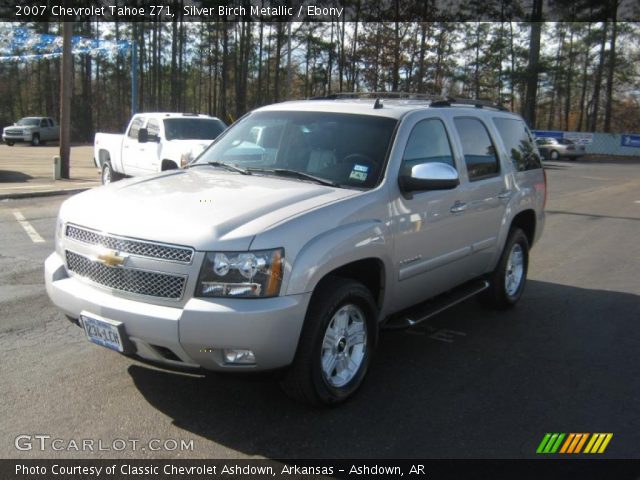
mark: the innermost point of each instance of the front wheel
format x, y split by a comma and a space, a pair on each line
336, 344
507, 281
554, 155
108, 174
35, 140
9, 144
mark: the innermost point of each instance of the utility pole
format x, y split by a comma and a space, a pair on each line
289, 66
65, 99
134, 72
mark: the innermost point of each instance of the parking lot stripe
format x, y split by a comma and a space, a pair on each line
33, 235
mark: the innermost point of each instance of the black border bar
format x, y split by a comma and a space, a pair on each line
547, 469
317, 10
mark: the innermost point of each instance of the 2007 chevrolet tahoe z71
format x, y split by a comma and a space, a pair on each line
300, 232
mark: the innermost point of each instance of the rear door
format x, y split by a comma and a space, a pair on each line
54, 132
486, 193
45, 130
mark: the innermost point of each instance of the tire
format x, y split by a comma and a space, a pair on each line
35, 140
507, 281
329, 366
10, 144
107, 174
554, 155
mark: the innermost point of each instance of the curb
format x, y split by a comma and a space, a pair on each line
44, 193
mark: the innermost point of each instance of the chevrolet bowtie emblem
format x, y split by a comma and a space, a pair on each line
111, 258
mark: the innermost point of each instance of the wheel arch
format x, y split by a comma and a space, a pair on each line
368, 271
103, 156
526, 221
168, 164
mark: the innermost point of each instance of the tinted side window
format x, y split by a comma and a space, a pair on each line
154, 128
479, 152
43, 123
518, 143
428, 142
135, 126
50, 122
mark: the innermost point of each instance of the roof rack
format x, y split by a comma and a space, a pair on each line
435, 100
380, 95
452, 102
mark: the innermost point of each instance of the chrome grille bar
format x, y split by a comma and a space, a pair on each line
130, 280
133, 247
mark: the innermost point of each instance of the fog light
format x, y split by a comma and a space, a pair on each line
239, 356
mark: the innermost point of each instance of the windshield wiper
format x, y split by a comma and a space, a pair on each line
226, 166
285, 172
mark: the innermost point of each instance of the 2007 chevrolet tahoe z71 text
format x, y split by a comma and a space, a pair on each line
299, 233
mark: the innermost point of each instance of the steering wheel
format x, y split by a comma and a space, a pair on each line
358, 158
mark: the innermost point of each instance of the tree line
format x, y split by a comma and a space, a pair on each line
578, 76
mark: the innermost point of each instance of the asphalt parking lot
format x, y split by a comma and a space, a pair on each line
470, 383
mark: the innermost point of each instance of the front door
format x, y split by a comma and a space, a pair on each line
431, 239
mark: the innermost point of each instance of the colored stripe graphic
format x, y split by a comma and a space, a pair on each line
550, 443
544, 441
574, 443
598, 442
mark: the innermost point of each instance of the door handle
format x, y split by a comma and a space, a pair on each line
505, 194
458, 207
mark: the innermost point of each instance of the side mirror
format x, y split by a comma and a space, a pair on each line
429, 176
143, 135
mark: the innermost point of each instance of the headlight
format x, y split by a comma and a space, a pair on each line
241, 274
59, 235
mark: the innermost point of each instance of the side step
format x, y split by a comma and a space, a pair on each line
423, 311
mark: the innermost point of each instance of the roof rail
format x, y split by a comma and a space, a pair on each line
452, 102
380, 95
435, 100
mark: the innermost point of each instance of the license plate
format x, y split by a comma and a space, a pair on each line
107, 333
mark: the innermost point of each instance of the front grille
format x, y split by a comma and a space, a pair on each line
127, 280
134, 247
13, 132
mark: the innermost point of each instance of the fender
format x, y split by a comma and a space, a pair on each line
336, 248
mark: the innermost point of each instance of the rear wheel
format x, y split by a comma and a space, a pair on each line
35, 140
507, 281
336, 344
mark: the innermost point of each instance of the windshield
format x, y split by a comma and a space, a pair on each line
347, 149
29, 122
192, 128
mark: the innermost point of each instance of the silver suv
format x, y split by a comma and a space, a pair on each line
299, 233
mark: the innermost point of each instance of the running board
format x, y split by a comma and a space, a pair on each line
423, 311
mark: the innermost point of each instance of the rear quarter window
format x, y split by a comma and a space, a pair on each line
518, 143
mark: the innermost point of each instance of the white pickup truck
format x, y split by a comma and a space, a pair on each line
154, 142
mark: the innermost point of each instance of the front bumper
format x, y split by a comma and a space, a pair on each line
195, 334
16, 138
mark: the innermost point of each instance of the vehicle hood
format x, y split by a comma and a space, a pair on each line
186, 146
20, 127
201, 207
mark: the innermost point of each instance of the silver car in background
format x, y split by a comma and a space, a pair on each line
556, 148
